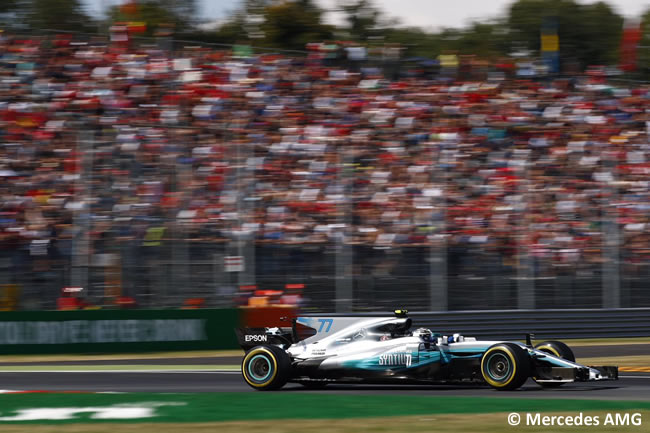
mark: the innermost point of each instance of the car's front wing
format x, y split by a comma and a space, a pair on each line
575, 374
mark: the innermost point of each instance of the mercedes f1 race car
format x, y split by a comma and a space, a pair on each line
384, 350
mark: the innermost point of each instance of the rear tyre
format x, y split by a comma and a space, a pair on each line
559, 349
505, 366
266, 368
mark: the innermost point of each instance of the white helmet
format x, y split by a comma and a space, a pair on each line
425, 334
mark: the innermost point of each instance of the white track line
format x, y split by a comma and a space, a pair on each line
122, 371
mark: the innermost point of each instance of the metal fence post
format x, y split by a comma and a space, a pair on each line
245, 242
611, 282
344, 260
525, 276
438, 287
81, 215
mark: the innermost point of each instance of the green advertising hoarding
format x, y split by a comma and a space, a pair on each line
112, 331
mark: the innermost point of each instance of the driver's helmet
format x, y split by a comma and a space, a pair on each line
425, 334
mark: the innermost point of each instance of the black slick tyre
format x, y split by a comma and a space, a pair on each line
505, 366
557, 348
266, 368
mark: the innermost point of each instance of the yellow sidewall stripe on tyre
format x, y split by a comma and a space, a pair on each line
487, 378
245, 372
550, 349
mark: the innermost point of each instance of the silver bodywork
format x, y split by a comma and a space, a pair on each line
362, 344
387, 350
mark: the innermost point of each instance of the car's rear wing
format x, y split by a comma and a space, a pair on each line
251, 337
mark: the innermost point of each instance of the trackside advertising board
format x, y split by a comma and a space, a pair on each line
117, 331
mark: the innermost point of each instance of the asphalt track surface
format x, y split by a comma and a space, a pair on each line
631, 386
579, 351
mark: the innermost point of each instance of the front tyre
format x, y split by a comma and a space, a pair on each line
559, 349
505, 366
266, 368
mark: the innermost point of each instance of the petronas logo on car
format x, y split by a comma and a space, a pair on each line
395, 359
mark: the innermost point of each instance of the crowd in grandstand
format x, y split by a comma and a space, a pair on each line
134, 143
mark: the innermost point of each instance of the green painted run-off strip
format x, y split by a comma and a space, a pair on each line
251, 406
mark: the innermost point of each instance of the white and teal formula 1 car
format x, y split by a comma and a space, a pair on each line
384, 350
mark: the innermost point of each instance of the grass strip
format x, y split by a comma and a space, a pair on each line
621, 361
247, 406
484, 423
606, 341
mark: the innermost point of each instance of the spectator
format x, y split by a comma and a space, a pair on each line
138, 149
